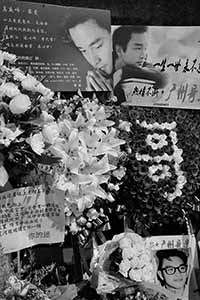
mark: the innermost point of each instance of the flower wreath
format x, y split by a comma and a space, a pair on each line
162, 167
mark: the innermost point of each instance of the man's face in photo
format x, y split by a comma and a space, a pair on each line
174, 279
136, 50
95, 44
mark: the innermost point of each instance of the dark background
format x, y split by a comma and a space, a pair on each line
148, 12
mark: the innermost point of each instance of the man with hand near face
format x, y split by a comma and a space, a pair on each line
91, 35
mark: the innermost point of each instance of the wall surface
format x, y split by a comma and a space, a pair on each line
148, 12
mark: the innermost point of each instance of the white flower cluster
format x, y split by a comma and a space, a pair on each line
136, 263
16, 87
158, 141
156, 125
20, 102
84, 147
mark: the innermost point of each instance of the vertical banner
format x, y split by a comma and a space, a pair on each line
59, 44
157, 66
29, 216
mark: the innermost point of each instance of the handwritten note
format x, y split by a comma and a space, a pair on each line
29, 216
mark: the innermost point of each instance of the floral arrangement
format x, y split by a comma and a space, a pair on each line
69, 145
136, 258
86, 143
158, 141
124, 266
162, 168
22, 99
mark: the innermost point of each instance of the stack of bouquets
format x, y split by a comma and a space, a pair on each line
124, 267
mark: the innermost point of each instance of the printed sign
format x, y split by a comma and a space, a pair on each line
157, 66
173, 258
29, 216
39, 34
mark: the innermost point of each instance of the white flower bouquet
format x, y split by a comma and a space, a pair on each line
124, 267
87, 145
22, 100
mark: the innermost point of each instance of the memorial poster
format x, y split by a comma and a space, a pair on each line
40, 37
157, 66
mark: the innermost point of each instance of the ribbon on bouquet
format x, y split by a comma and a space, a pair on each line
96, 223
95, 226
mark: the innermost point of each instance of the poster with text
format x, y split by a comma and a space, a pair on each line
29, 216
157, 66
173, 258
62, 46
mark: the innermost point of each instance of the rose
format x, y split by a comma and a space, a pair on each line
29, 83
124, 267
128, 253
119, 173
9, 89
3, 176
20, 104
136, 274
125, 243
148, 273
51, 132
124, 125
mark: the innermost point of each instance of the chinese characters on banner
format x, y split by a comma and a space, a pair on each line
168, 242
29, 216
169, 70
37, 34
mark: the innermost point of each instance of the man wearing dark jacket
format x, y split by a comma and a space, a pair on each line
130, 59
